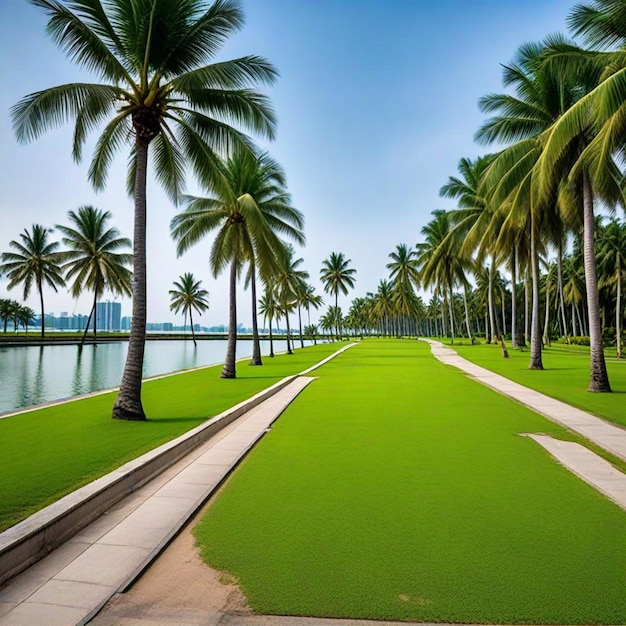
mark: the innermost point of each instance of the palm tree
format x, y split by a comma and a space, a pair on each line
160, 96
290, 281
187, 296
312, 331
384, 306
307, 298
92, 260
327, 322
35, 260
337, 276
246, 230
24, 315
269, 308
6, 311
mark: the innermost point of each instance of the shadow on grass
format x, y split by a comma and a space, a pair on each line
177, 420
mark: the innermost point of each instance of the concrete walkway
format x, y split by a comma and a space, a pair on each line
581, 461
70, 585
608, 436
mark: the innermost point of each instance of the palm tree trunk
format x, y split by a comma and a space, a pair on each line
229, 369
467, 319
599, 378
337, 309
526, 310
95, 319
289, 350
93, 309
300, 323
559, 269
271, 339
492, 336
574, 333
193, 334
128, 402
503, 307
618, 311
443, 315
536, 362
451, 317
514, 298
43, 313
256, 342
546, 322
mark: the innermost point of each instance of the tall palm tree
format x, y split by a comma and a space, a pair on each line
35, 260
247, 231
92, 260
543, 97
337, 275
187, 296
160, 97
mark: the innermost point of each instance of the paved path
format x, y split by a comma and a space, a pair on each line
608, 436
579, 460
71, 584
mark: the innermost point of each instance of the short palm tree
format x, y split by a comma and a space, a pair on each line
6, 314
92, 259
269, 308
307, 298
312, 331
159, 96
187, 296
290, 281
25, 316
337, 275
35, 260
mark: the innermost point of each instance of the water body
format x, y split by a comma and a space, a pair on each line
35, 374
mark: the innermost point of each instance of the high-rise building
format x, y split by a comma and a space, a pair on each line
108, 316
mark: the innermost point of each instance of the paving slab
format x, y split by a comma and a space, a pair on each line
71, 584
588, 466
608, 436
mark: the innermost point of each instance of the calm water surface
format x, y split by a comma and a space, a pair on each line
35, 374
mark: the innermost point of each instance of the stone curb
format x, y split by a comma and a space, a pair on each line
31, 539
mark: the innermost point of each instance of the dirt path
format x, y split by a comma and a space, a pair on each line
178, 589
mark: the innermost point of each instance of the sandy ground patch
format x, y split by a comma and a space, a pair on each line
178, 588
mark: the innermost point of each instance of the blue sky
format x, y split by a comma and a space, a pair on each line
376, 103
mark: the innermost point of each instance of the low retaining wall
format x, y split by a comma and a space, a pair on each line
33, 538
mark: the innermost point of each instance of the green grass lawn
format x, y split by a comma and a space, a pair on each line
49, 452
565, 377
396, 488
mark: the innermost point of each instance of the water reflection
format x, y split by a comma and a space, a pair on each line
35, 374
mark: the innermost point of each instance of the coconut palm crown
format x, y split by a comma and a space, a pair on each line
158, 91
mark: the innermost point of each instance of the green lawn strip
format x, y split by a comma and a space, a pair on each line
49, 452
396, 488
565, 377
